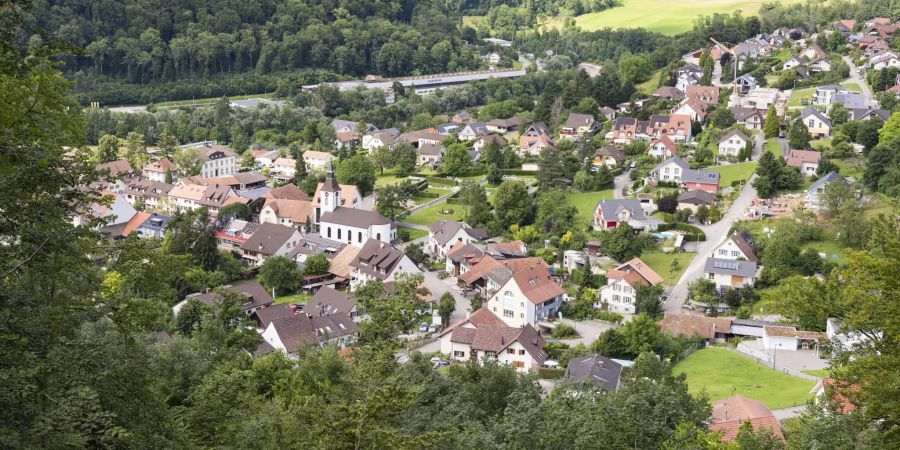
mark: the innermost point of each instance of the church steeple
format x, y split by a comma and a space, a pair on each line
330, 194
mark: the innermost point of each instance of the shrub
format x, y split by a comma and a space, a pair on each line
550, 374
608, 316
563, 331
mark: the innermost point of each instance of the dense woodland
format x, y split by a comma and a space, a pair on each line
83, 365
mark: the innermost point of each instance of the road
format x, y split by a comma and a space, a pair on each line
857, 78
785, 147
620, 183
717, 74
715, 234
439, 287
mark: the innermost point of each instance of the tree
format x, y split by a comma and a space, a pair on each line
235, 210
746, 153
891, 128
416, 252
494, 175
358, 171
478, 209
668, 204
722, 118
772, 125
191, 233
404, 159
392, 199
446, 306
703, 291
648, 299
868, 133
108, 149
316, 265
457, 160
621, 243
512, 204
381, 157
702, 214
804, 301
248, 161
554, 214
798, 136
188, 161
190, 316
715, 214
838, 114
281, 274
135, 152
300, 172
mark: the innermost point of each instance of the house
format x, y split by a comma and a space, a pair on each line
218, 160
463, 118
484, 141
670, 170
707, 95
147, 194
473, 130
845, 26
704, 180
825, 94
807, 161
419, 137
119, 174
738, 246
386, 138
730, 273
869, 113
317, 161
668, 92
484, 336
153, 227
813, 195
839, 394
529, 296
292, 213
595, 369
430, 154
694, 198
750, 118
289, 334
761, 99
607, 112
620, 292
160, 170
732, 143
328, 301
817, 122
713, 329
788, 338
662, 147
235, 233
239, 181
676, 126
849, 100
254, 297
792, 62
189, 197
691, 107
286, 192
884, 60
729, 414
746, 82
534, 145
503, 126
626, 130
269, 240
607, 156
577, 125
349, 224
341, 125
378, 260
346, 139
264, 158
444, 234
610, 213
819, 65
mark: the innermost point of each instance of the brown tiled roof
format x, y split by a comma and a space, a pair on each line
634, 271
612, 152
700, 92
377, 259
116, 168
264, 316
302, 329
691, 325
480, 269
798, 157
781, 331
496, 338
329, 301
461, 251
729, 414
256, 295
162, 166
210, 149
296, 210
481, 317
444, 230
346, 136
286, 192
742, 243
536, 285
268, 238
135, 221
340, 263
358, 218
839, 393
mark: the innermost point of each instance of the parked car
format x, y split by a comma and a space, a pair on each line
432, 329
423, 327
440, 364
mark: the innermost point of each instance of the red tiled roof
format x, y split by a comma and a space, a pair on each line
729, 414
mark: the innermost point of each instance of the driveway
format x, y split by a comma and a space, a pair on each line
715, 234
785, 147
620, 183
439, 287
787, 413
858, 79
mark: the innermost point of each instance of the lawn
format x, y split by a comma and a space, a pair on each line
297, 299
723, 373
829, 245
666, 19
431, 214
852, 86
661, 263
801, 94
586, 202
819, 144
852, 167
649, 86
772, 146
734, 172
414, 233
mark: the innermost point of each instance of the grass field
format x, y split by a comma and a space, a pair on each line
431, 214
668, 19
722, 373
414, 233
852, 86
734, 172
801, 94
828, 245
586, 202
772, 147
649, 86
661, 263
297, 299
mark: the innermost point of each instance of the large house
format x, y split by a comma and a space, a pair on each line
595, 369
377, 260
662, 147
218, 160
473, 130
528, 297
317, 161
731, 273
610, 213
732, 143
430, 154
806, 161
444, 234
387, 138
620, 292
577, 125
747, 117
707, 95
292, 213
813, 195
347, 224
825, 94
817, 122
189, 197
289, 334
254, 297
607, 156
484, 336
730, 414
677, 170
738, 246
160, 170
269, 240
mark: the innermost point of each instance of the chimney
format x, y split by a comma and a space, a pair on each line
502, 340
468, 313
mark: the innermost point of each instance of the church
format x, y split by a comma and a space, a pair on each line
350, 225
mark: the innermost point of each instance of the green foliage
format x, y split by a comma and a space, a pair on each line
238, 211
622, 243
512, 204
358, 171
315, 265
554, 214
404, 159
721, 118
563, 331
392, 199
457, 160
798, 135
772, 125
804, 301
281, 274
648, 299
774, 175
446, 305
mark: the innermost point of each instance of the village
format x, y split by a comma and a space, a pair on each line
692, 208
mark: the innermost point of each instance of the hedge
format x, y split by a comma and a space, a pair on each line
691, 233
547, 373
441, 181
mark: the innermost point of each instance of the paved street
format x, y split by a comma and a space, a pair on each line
620, 183
788, 413
857, 78
438, 287
715, 234
785, 147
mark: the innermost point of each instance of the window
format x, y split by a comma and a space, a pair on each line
508, 313
810, 123
459, 354
735, 253
511, 351
378, 236
339, 233
359, 237
329, 232
712, 276
518, 364
722, 251
521, 351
